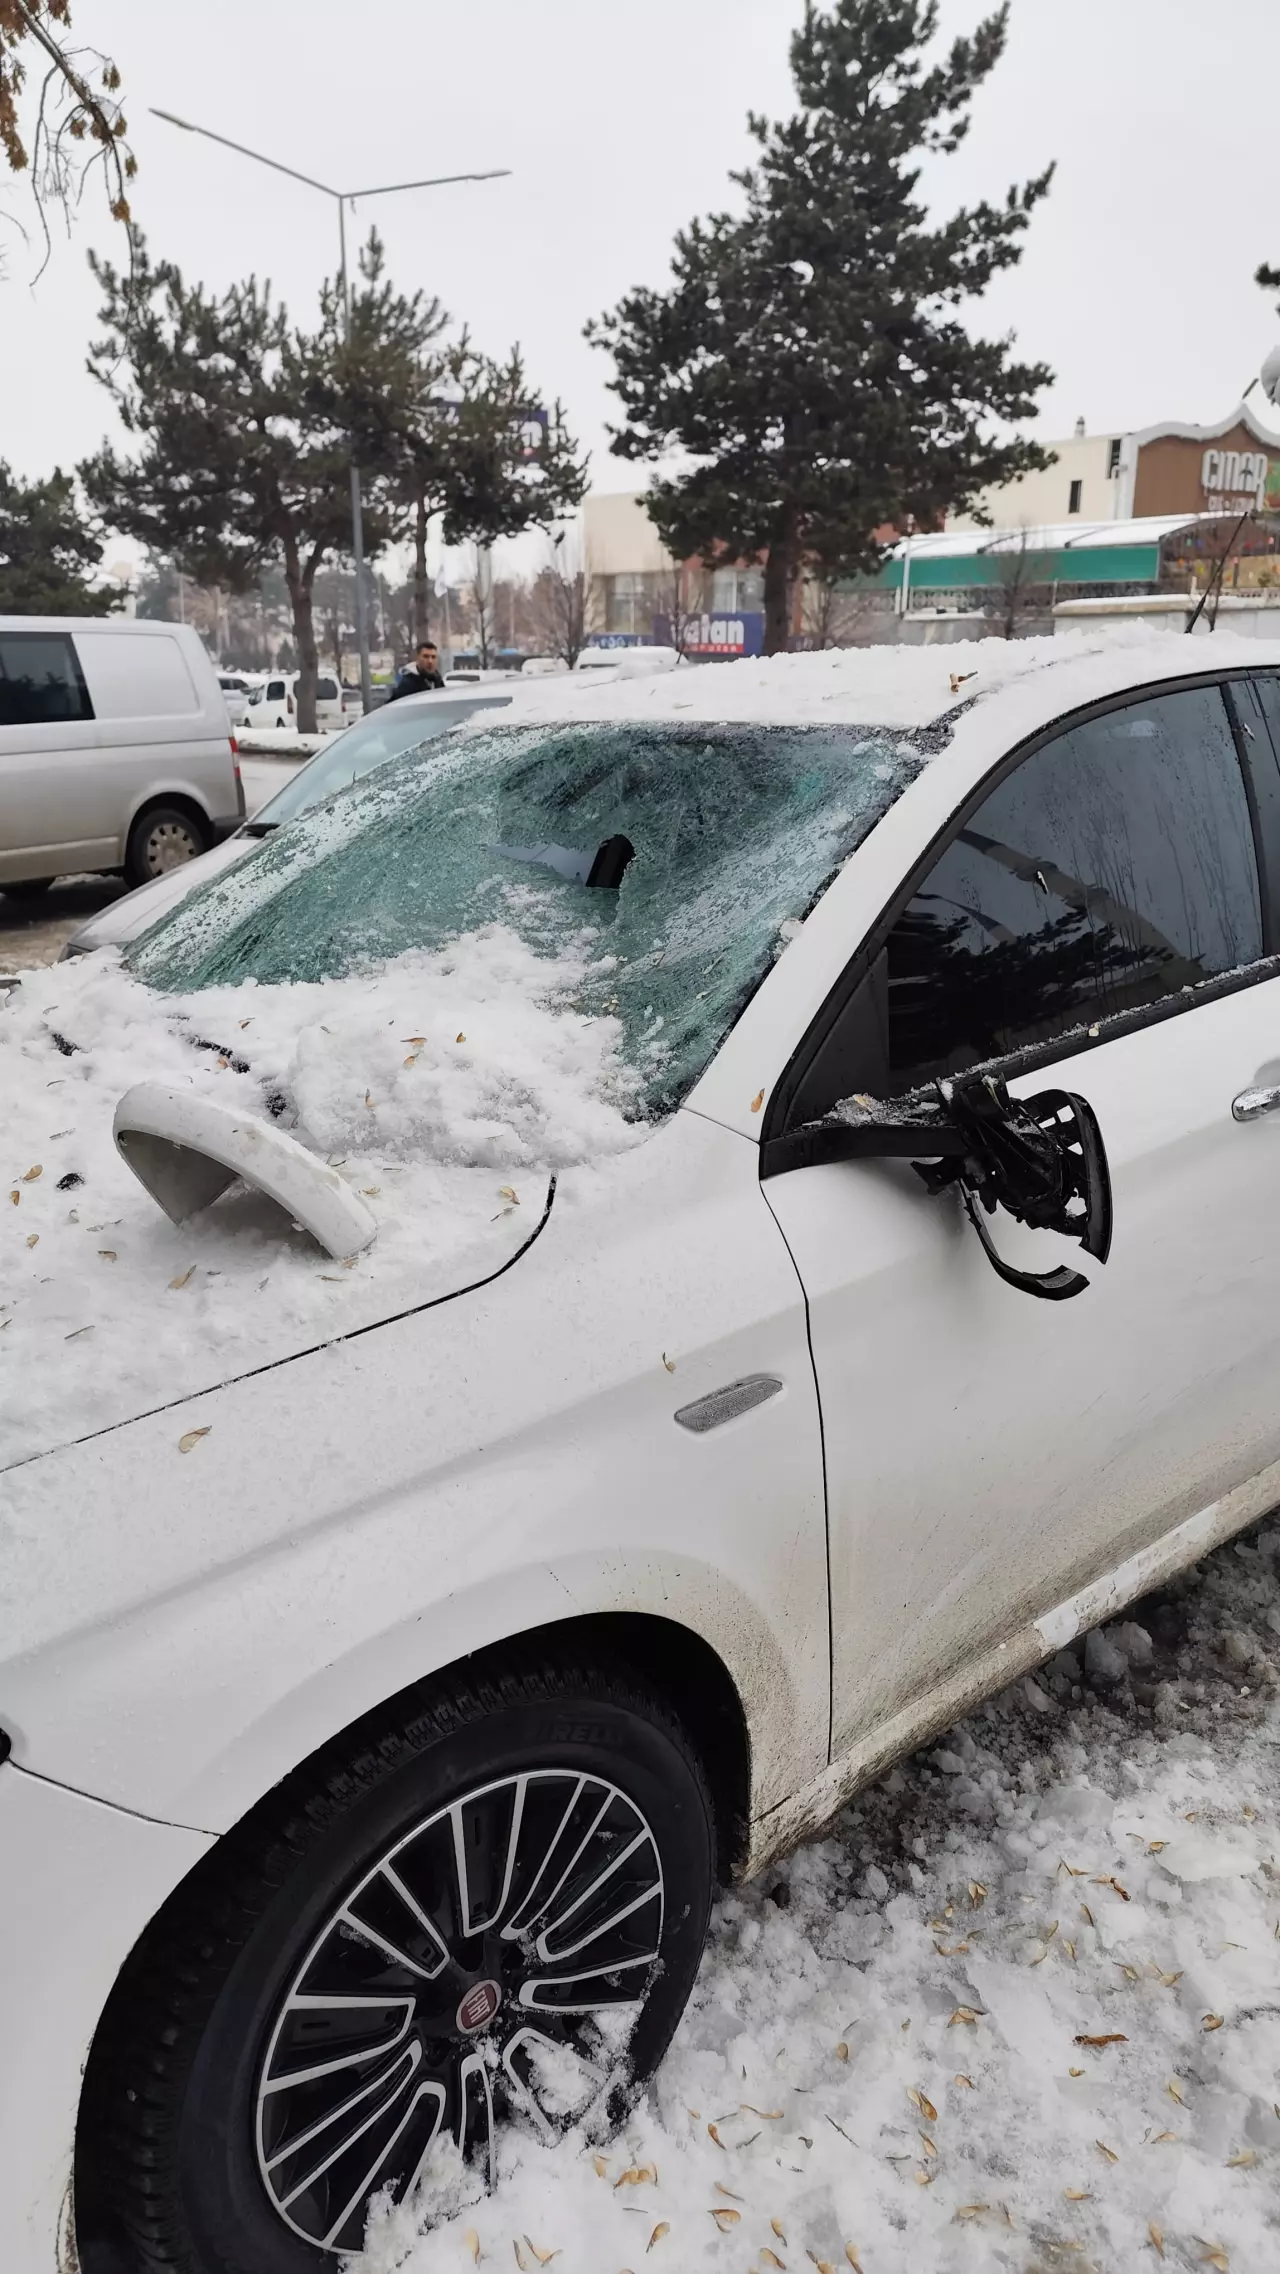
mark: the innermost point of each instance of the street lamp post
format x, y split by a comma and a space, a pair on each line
343, 198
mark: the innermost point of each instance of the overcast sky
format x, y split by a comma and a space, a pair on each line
622, 123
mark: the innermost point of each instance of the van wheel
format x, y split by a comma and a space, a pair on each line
165, 837
481, 1911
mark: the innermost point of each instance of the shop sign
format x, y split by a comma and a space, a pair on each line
1234, 474
718, 634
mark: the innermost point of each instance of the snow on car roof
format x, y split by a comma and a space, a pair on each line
882, 686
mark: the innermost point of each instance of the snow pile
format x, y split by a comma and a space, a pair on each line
1020, 2010
446, 1087
887, 686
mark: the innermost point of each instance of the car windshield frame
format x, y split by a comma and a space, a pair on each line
647, 872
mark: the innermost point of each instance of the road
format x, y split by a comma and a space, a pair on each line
32, 932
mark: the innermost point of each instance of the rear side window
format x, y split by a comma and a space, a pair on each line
1115, 866
275, 691
41, 683
137, 676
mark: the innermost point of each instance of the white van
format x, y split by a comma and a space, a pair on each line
115, 750
276, 703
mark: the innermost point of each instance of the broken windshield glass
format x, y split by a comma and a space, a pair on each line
668, 862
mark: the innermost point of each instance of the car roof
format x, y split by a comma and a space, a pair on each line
905, 687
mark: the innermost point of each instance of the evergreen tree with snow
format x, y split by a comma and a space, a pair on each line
807, 363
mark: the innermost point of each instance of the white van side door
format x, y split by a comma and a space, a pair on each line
49, 742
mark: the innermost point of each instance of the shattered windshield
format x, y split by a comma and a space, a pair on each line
669, 863
387, 734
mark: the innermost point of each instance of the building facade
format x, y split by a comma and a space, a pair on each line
1163, 469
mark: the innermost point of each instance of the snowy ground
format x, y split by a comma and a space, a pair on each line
1021, 2010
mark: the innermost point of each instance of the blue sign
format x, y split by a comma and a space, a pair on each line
718, 636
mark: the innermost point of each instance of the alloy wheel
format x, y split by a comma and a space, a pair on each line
492, 1962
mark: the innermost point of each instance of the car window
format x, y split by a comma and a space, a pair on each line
326, 690
275, 691
40, 680
657, 870
1115, 866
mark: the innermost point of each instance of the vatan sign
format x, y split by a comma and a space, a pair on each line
1234, 480
717, 635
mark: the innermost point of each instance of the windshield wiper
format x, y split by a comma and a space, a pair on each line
258, 828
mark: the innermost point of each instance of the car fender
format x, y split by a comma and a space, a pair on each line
181, 1631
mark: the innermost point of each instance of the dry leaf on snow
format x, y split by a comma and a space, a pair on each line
193, 1437
1109, 2153
183, 1277
1112, 2037
663, 2228
471, 2242
725, 2218
1212, 2021
1157, 2239
32, 1174
544, 2257
33, 1239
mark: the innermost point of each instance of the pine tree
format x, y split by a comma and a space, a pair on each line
47, 555
807, 358
241, 422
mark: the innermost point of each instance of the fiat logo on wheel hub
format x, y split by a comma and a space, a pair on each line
478, 2007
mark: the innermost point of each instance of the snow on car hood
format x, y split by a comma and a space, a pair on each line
448, 1088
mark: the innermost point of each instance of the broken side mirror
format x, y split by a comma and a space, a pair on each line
1042, 1159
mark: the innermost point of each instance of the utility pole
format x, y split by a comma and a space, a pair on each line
343, 199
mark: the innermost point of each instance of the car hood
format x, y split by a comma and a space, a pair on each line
127, 918
448, 1090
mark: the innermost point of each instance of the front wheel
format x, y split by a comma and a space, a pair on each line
491, 1913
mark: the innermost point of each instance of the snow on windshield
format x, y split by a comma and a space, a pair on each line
670, 863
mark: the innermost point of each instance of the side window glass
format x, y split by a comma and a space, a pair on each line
1115, 866
40, 680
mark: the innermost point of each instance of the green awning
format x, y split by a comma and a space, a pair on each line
1077, 564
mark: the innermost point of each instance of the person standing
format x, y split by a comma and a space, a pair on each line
420, 676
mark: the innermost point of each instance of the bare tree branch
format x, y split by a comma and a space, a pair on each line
78, 123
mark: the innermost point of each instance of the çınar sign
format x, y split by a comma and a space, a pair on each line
1241, 474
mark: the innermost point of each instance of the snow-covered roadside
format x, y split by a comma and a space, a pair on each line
1020, 2010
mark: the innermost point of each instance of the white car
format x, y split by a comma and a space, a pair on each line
275, 703
563, 1446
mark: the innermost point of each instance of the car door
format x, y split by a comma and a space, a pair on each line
48, 757
1099, 920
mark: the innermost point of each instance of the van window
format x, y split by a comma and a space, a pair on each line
275, 691
137, 675
326, 690
40, 680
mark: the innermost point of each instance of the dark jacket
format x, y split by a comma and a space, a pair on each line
414, 682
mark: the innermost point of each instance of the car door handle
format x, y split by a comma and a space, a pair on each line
1251, 1104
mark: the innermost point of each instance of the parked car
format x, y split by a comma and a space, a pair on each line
115, 750
412, 723
393, 1657
277, 705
